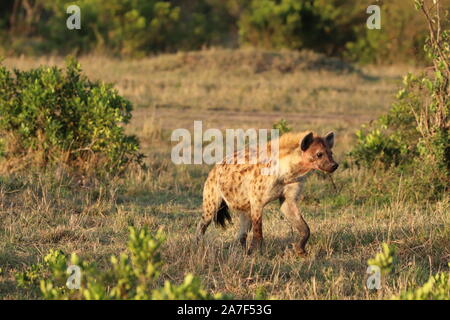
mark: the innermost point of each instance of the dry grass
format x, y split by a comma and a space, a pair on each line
233, 89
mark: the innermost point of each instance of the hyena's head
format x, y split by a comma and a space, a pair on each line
316, 152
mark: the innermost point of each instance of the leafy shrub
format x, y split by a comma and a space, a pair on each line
207, 23
336, 27
49, 115
392, 139
415, 134
436, 288
282, 126
131, 276
400, 39
120, 27
126, 27
280, 24
384, 259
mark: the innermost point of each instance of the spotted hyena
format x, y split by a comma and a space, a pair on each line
245, 189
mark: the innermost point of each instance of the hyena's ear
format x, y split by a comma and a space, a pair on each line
329, 139
306, 141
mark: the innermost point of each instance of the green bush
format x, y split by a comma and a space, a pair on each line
335, 27
126, 27
131, 276
53, 116
436, 288
384, 259
282, 126
400, 39
392, 139
280, 24
119, 27
207, 23
415, 134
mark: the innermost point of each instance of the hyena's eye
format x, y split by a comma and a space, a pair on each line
319, 155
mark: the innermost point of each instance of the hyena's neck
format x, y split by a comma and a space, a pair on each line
294, 178
292, 170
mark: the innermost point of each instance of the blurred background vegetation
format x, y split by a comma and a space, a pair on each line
141, 27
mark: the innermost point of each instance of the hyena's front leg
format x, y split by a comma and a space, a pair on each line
290, 210
244, 229
257, 240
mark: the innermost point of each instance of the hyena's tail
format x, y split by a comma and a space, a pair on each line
214, 206
222, 215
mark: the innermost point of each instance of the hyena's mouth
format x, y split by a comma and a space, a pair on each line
333, 168
330, 169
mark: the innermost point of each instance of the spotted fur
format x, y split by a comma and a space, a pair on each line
242, 188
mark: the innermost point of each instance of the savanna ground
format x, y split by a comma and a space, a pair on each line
233, 89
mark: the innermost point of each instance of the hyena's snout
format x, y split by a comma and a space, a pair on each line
333, 167
329, 166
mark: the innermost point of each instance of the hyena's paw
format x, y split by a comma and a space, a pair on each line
299, 251
243, 242
200, 231
256, 246
198, 239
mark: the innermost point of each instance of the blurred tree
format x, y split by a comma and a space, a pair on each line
209, 22
400, 39
126, 27
322, 25
139, 27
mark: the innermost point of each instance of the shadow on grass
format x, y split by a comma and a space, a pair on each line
409, 245
187, 200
